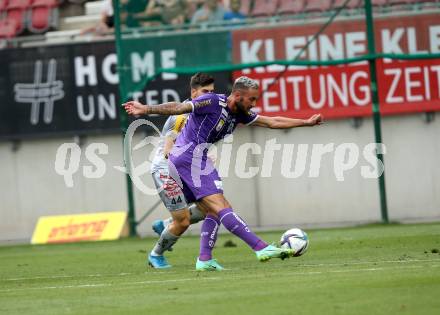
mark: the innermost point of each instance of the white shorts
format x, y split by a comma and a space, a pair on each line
170, 193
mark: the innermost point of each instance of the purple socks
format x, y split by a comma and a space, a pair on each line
208, 237
238, 227
234, 224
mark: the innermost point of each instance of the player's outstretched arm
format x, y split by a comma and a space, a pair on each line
167, 109
287, 123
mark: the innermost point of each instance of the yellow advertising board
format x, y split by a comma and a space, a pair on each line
79, 227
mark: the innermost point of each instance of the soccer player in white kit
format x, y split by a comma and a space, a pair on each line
182, 214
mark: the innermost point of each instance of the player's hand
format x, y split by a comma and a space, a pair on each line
314, 120
134, 108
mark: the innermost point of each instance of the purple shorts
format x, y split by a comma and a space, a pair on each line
196, 175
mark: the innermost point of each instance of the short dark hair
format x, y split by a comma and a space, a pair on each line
201, 79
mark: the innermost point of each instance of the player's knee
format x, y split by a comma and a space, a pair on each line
183, 223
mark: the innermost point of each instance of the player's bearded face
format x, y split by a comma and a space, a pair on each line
247, 100
241, 106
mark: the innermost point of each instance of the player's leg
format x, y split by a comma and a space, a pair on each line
207, 190
196, 215
208, 238
159, 225
174, 200
171, 234
218, 206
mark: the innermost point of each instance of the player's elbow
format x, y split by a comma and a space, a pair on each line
183, 108
275, 123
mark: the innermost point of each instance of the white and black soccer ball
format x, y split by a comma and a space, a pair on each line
295, 239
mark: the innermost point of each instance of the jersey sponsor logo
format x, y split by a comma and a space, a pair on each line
203, 103
220, 125
174, 193
170, 185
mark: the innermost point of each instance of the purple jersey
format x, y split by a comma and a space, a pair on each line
211, 121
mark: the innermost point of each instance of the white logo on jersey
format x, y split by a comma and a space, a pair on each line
218, 184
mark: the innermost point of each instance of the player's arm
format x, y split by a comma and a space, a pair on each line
167, 109
174, 125
279, 122
168, 145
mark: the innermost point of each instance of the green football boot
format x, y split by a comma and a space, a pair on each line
271, 251
209, 265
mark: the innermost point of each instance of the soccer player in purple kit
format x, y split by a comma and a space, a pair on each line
182, 214
213, 117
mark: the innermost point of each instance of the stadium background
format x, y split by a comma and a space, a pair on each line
85, 98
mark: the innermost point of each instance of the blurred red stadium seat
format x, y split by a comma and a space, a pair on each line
7, 28
245, 8
394, 2
290, 7
353, 4
16, 10
23, 4
3, 5
379, 2
264, 8
42, 15
317, 5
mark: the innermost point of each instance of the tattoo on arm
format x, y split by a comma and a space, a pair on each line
172, 108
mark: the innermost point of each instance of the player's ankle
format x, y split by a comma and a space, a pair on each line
205, 258
153, 253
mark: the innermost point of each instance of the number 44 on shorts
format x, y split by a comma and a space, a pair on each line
174, 201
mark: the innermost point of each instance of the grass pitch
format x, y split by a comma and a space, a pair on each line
365, 270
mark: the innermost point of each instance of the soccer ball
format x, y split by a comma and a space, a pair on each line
295, 239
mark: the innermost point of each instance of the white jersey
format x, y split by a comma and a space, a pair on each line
172, 127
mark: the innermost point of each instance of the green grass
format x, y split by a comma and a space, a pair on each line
365, 270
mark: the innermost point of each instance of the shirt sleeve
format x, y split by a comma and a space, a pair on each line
248, 118
180, 123
169, 126
205, 104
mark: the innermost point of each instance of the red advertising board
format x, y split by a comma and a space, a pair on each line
344, 91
